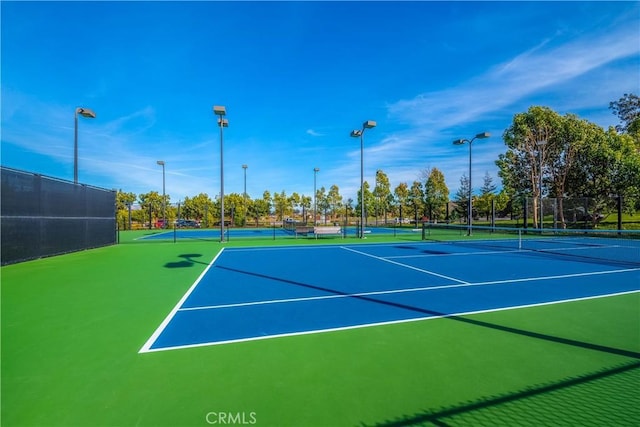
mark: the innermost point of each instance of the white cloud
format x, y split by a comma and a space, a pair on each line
548, 68
314, 133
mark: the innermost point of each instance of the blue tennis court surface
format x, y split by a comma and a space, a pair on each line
257, 293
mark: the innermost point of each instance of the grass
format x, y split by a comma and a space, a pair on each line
72, 326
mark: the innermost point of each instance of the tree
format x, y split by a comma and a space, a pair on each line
305, 204
415, 199
486, 198
369, 201
501, 203
461, 198
322, 202
381, 193
401, 193
266, 205
436, 195
123, 202
294, 201
348, 209
572, 156
233, 204
569, 138
200, 207
281, 204
530, 140
260, 208
151, 204
606, 165
627, 109
334, 199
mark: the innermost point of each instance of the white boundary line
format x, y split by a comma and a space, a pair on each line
150, 237
392, 322
147, 345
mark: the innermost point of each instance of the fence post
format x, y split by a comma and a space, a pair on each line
525, 208
493, 213
619, 212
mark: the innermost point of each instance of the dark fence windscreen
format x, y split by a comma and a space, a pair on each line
44, 216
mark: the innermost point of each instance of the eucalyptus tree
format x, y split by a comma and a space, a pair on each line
401, 193
334, 200
415, 199
381, 193
436, 194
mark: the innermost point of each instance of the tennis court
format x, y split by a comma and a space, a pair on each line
386, 331
257, 293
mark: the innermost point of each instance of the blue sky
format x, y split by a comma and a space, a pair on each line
296, 78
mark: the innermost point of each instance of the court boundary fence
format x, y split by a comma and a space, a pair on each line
43, 216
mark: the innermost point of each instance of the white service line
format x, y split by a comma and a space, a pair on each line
391, 322
405, 290
405, 265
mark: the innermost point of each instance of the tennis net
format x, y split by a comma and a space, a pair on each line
621, 247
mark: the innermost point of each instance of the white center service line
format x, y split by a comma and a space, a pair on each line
405, 265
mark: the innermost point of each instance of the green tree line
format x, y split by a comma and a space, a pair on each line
570, 156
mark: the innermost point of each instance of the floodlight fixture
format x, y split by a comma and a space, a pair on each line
368, 124
219, 110
89, 114
86, 112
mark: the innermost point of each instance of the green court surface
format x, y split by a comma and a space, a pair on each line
73, 325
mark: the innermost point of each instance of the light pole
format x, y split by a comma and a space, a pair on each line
244, 196
359, 133
540, 145
221, 111
315, 202
84, 112
482, 135
164, 199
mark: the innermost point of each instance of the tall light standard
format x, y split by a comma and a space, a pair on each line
540, 145
84, 112
315, 202
244, 195
359, 133
469, 203
164, 199
221, 111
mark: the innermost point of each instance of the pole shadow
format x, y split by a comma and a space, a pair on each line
188, 261
449, 316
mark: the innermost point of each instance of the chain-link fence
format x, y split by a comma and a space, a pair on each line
579, 212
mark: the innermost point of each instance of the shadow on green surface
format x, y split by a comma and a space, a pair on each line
188, 261
439, 417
